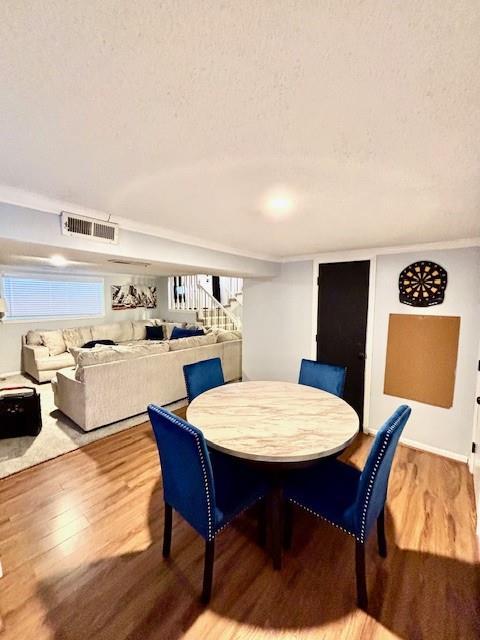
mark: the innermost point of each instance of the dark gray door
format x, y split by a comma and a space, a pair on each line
342, 323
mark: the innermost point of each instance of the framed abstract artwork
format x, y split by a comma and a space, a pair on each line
132, 296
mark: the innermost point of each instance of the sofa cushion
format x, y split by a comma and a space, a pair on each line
183, 332
148, 347
194, 325
34, 338
154, 333
139, 329
225, 336
190, 343
137, 343
77, 336
111, 331
125, 332
169, 326
54, 341
104, 354
60, 361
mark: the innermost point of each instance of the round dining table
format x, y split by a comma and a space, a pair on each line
280, 425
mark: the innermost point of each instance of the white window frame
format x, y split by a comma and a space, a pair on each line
57, 277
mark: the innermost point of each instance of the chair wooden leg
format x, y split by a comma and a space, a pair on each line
262, 523
382, 541
167, 530
362, 598
208, 571
288, 525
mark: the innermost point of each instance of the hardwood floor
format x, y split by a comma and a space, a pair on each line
81, 548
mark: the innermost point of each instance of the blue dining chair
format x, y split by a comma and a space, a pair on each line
202, 376
349, 499
321, 375
207, 488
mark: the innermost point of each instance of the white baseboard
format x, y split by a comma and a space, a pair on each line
10, 373
426, 447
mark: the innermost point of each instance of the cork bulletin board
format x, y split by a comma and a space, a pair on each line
422, 358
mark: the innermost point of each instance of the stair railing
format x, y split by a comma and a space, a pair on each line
185, 298
231, 287
209, 302
238, 297
191, 295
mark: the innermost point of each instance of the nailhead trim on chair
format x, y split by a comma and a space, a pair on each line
374, 473
211, 533
204, 471
318, 515
187, 386
239, 513
360, 538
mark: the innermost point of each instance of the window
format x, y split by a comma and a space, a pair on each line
30, 297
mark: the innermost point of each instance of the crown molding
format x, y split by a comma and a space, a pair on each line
359, 254
45, 204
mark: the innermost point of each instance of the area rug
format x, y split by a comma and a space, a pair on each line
59, 434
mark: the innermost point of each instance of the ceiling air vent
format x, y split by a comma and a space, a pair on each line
131, 263
75, 225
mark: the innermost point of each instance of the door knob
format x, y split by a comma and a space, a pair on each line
362, 356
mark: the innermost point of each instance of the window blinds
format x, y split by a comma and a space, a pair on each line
40, 297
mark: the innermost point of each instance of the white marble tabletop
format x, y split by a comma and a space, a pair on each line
274, 421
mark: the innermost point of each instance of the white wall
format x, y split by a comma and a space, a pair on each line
280, 324
434, 427
11, 332
277, 323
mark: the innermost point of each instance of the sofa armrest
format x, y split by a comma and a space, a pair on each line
232, 360
65, 379
30, 356
37, 352
69, 396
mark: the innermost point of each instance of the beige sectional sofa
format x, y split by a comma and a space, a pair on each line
113, 383
45, 352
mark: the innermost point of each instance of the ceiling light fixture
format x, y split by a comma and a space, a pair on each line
58, 261
278, 203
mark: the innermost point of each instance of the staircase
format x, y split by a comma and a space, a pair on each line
228, 316
193, 293
216, 318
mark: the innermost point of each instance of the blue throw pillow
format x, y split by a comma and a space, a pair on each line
185, 333
154, 333
93, 343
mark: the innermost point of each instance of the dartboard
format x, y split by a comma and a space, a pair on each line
422, 284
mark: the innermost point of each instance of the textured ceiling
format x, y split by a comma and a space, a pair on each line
182, 115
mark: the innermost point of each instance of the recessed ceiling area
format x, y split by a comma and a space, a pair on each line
185, 117
37, 257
